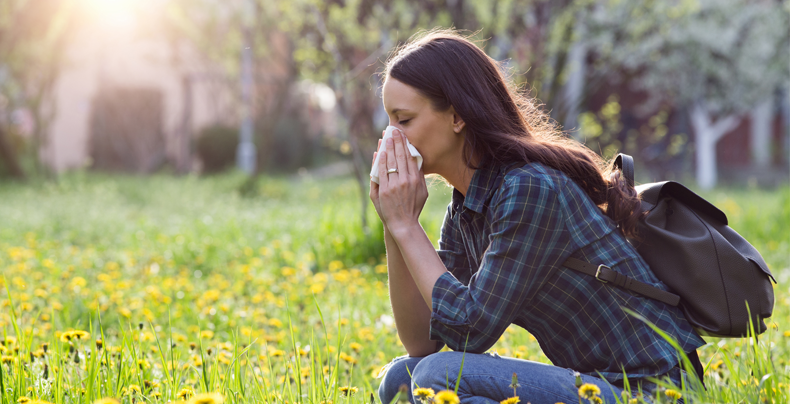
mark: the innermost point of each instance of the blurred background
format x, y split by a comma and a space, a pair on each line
695, 90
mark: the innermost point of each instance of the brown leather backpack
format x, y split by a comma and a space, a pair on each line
712, 272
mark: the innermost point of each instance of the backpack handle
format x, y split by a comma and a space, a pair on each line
625, 163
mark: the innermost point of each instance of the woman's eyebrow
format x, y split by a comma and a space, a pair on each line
396, 110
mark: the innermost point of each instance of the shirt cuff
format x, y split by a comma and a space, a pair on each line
447, 324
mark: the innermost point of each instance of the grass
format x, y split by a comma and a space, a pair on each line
185, 285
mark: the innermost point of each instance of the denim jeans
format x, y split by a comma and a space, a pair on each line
486, 379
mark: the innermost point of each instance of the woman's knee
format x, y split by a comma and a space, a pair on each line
438, 369
397, 373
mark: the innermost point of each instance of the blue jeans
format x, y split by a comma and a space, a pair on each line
486, 379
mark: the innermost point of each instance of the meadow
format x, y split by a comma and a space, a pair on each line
162, 289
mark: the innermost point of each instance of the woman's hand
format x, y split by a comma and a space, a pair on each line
400, 196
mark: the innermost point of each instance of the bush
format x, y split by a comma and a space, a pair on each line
216, 146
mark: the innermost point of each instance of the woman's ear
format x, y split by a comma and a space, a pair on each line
458, 122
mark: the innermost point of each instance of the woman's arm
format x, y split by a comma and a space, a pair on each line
422, 262
412, 315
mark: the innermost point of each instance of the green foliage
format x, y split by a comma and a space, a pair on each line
216, 147
729, 53
292, 147
17, 145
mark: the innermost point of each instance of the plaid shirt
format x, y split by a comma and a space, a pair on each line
503, 246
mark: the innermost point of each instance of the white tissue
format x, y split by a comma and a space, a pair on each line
374, 172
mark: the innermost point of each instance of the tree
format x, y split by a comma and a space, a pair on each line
716, 59
221, 31
32, 38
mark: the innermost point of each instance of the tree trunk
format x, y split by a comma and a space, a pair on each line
574, 88
706, 135
786, 120
184, 154
358, 105
760, 140
9, 157
245, 152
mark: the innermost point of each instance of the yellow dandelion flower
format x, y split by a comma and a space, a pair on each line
3, 349
66, 336
186, 393
511, 400
446, 397
589, 391
143, 364
79, 334
134, 389
673, 394
106, 400
274, 322
348, 358
23, 400
207, 398
348, 391
596, 400
155, 394
7, 359
787, 333
423, 394
356, 346
206, 334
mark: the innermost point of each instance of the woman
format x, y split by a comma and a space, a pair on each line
525, 198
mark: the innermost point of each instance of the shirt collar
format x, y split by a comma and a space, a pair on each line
480, 188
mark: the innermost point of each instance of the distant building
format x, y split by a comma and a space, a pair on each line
129, 96
132, 94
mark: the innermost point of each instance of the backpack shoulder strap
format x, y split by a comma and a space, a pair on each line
625, 163
606, 275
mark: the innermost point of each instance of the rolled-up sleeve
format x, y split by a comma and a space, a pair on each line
528, 238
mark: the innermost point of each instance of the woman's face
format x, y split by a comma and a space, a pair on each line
438, 136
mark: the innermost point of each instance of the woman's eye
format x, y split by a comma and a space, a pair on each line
404, 121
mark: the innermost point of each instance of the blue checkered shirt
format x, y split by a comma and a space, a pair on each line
503, 246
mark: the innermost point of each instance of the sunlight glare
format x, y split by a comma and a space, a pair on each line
115, 15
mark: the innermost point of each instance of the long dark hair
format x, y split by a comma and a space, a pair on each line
502, 123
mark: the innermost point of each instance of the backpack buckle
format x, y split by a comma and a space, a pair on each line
598, 273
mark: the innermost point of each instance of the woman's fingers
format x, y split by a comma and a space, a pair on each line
392, 162
383, 178
401, 152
